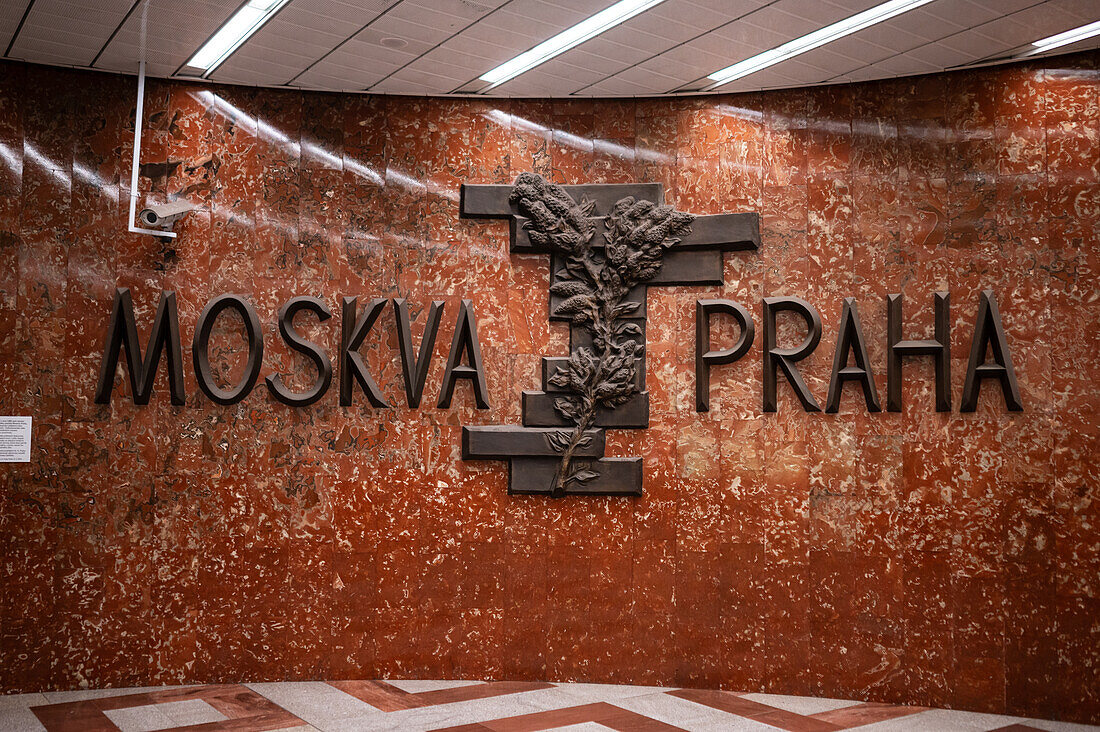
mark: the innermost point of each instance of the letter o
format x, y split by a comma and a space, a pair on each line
200, 349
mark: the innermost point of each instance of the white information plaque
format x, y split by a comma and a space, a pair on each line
15, 439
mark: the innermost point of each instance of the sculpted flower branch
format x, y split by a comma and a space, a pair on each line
594, 286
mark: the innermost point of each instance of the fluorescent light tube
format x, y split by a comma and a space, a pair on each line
811, 41
581, 32
236, 31
1070, 36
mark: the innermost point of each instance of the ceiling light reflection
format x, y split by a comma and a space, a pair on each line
590, 27
1064, 39
246, 21
810, 41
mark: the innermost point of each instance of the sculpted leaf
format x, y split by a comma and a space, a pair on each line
576, 304
584, 476
607, 391
625, 309
621, 399
629, 329
558, 440
556, 221
637, 234
560, 377
570, 288
567, 408
587, 358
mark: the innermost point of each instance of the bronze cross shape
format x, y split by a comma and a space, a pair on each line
608, 243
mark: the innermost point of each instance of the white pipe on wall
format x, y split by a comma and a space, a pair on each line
137, 159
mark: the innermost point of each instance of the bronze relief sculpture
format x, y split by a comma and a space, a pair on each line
608, 243
593, 286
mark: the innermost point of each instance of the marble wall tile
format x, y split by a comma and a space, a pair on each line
940, 559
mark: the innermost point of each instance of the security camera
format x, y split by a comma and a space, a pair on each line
163, 215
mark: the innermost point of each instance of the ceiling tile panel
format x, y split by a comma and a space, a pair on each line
174, 31
617, 87
481, 52
360, 64
775, 26
652, 77
337, 44
370, 41
257, 72
530, 27
904, 65
939, 55
906, 34
422, 78
745, 34
299, 35
11, 12
822, 12
832, 56
963, 13
864, 51
642, 40
409, 29
70, 32
338, 79
601, 65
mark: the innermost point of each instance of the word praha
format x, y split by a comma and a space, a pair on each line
989, 337
464, 361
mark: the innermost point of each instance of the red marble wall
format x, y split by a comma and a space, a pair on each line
939, 559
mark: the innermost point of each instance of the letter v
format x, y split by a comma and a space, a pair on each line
415, 369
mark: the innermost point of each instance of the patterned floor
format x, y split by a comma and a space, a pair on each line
470, 706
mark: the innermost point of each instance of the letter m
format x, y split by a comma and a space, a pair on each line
123, 333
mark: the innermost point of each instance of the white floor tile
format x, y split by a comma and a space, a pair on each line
1060, 726
689, 715
58, 697
15, 701
146, 718
941, 719
415, 687
607, 692
453, 714
19, 719
323, 706
804, 705
288, 688
191, 711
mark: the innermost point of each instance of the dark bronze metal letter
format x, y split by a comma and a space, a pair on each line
704, 357
200, 349
897, 349
850, 341
122, 332
415, 370
324, 367
989, 334
351, 363
785, 358
465, 341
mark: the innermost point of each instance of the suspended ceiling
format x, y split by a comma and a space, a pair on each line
441, 46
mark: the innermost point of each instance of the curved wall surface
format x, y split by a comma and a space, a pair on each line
946, 559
